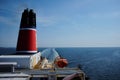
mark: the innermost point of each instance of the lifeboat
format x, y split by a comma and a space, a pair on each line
61, 62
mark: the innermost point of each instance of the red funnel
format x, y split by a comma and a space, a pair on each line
27, 33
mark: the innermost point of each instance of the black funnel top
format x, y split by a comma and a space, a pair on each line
28, 19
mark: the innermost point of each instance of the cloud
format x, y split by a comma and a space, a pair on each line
50, 20
46, 21
7, 21
114, 14
76, 4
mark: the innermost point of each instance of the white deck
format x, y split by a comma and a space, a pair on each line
27, 74
13, 75
8, 63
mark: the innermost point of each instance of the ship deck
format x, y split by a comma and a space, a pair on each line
46, 74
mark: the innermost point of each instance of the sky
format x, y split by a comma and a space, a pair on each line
64, 23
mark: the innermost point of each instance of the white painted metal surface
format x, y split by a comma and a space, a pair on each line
8, 63
14, 76
23, 61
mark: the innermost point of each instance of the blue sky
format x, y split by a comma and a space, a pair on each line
64, 23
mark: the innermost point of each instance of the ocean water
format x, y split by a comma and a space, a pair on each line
97, 63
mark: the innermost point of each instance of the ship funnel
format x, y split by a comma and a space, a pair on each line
27, 34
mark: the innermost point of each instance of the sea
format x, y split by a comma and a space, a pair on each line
98, 63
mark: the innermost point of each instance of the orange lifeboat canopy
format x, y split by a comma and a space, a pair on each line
62, 63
